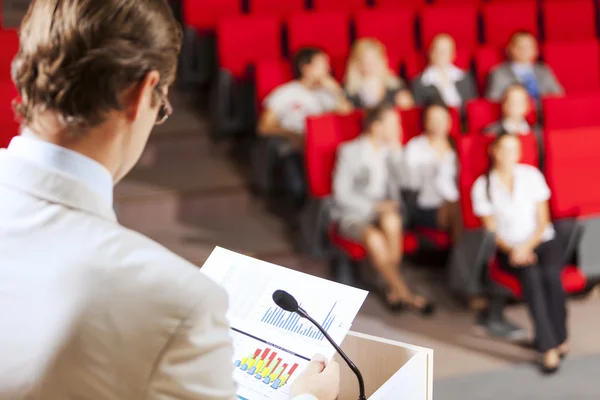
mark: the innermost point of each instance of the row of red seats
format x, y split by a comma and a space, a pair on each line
326, 133
562, 19
247, 40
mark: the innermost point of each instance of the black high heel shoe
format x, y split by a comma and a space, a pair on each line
427, 310
550, 369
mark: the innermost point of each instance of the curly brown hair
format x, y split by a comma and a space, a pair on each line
77, 56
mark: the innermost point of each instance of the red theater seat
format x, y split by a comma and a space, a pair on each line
572, 170
245, 40
486, 58
388, 26
502, 19
481, 113
571, 111
276, 7
473, 157
9, 49
357, 252
270, 74
339, 5
569, 20
459, 21
9, 127
327, 30
573, 280
205, 14
399, 3
575, 64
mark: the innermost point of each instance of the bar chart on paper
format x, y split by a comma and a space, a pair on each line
293, 323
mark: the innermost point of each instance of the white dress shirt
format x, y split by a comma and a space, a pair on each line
77, 290
65, 161
515, 213
434, 177
432, 76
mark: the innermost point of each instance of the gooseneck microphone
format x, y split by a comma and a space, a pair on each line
287, 302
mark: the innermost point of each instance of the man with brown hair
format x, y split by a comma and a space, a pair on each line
89, 309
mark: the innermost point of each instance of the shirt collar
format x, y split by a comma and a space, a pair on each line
521, 69
516, 127
71, 163
432, 76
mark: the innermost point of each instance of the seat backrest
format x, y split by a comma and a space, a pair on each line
412, 123
486, 58
571, 111
245, 40
327, 30
205, 14
324, 134
276, 7
388, 26
459, 21
572, 169
575, 64
482, 112
473, 158
8, 50
399, 3
569, 20
270, 74
502, 19
9, 127
339, 5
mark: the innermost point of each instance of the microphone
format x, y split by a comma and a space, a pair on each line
288, 303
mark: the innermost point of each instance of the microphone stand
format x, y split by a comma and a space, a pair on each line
361, 382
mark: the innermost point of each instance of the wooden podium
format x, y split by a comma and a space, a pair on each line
391, 370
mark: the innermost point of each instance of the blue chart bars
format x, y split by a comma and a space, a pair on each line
282, 319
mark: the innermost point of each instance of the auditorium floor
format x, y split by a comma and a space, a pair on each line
188, 195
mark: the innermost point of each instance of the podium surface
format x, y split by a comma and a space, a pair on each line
391, 370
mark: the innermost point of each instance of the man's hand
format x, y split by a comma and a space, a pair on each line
387, 206
522, 256
320, 378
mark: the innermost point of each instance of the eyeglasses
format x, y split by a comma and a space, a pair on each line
165, 110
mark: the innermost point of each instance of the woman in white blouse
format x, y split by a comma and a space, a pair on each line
512, 201
431, 164
442, 81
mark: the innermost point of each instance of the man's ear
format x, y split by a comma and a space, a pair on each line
141, 95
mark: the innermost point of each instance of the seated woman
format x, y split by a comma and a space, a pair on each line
369, 79
516, 104
442, 81
431, 164
512, 201
366, 192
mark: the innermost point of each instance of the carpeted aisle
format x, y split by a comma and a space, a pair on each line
578, 379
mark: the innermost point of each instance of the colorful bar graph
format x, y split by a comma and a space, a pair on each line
272, 371
291, 322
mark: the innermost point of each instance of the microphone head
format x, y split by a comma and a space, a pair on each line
285, 300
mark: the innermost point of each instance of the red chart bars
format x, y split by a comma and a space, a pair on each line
266, 366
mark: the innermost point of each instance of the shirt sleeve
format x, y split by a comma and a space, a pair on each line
541, 191
412, 170
482, 204
446, 181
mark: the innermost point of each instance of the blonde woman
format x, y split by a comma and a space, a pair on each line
370, 81
442, 80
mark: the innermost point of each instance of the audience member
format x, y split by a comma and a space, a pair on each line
313, 91
512, 201
432, 171
442, 81
523, 68
516, 105
369, 79
366, 190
